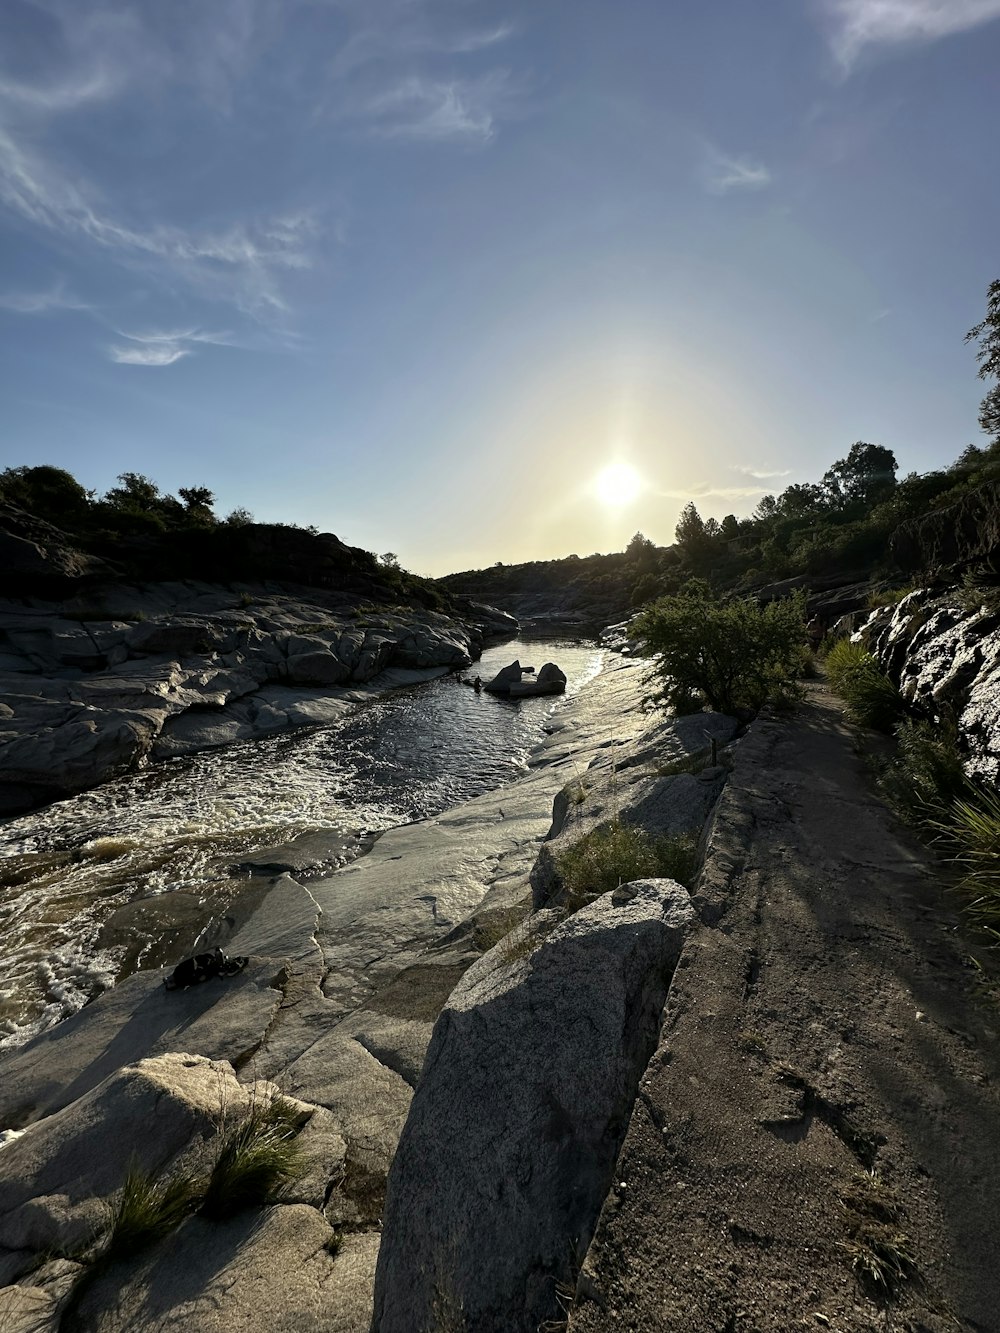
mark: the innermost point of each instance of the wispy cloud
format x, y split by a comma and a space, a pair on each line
410, 76
163, 348
708, 492
240, 263
722, 173
856, 24
760, 473
39, 303
164, 355
430, 109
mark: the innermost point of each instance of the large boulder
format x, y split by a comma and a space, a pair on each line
550, 680
515, 1126
505, 678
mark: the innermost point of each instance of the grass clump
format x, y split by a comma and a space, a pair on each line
257, 1158
880, 1251
872, 699
927, 786
888, 596
617, 853
971, 832
146, 1210
925, 775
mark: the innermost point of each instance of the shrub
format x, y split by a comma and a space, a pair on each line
872, 699
616, 853
257, 1158
731, 653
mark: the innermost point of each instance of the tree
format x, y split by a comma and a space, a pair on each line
732, 654
389, 560
690, 530
638, 546
987, 334
730, 527
865, 476
802, 500
196, 497
134, 492
49, 492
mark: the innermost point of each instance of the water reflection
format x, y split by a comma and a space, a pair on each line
77, 877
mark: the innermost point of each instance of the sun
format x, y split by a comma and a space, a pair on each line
617, 484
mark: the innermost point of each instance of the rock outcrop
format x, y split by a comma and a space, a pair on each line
346, 978
94, 686
529, 1080
945, 659
950, 539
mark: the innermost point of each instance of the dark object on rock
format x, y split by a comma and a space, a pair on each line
203, 967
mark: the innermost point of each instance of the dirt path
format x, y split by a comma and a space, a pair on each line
827, 1087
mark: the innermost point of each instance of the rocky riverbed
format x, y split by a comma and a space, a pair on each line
96, 684
347, 976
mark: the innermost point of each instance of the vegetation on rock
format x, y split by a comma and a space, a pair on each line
618, 853
146, 1210
144, 533
257, 1158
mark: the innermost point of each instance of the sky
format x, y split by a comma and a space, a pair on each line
418, 271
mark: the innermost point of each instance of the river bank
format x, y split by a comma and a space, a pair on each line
153, 865
99, 683
338, 1003
769, 1104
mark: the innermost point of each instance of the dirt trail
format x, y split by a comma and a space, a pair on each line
827, 1083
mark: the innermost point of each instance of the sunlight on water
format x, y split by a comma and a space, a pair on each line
131, 873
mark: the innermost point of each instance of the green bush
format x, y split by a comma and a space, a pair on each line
733, 654
617, 853
257, 1158
872, 699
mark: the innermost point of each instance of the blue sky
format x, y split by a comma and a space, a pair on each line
416, 270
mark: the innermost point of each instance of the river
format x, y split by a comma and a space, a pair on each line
137, 871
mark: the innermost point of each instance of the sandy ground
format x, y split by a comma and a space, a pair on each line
825, 1098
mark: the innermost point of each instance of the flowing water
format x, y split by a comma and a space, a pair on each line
136, 871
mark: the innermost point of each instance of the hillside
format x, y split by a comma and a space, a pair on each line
857, 531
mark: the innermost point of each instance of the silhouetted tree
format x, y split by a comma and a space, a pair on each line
866, 475
134, 492
196, 497
49, 492
690, 530
987, 334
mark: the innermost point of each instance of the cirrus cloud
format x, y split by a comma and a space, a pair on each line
856, 24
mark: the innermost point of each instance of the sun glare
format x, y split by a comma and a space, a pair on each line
617, 484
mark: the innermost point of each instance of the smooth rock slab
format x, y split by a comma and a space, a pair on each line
222, 1020
516, 1122
259, 1271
